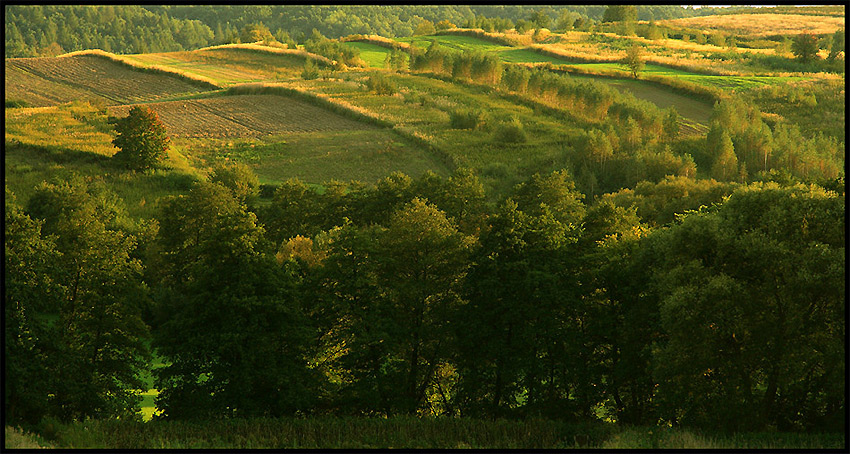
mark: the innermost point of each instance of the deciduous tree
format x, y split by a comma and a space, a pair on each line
141, 139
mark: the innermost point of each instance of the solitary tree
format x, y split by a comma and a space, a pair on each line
141, 139
634, 60
805, 47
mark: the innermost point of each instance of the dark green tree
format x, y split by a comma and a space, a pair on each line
31, 297
99, 325
752, 307
230, 324
805, 47
239, 178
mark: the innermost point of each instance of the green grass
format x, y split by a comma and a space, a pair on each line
455, 42
689, 108
318, 157
733, 83
58, 141
522, 55
372, 54
411, 432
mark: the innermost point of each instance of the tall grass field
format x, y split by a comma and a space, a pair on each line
397, 432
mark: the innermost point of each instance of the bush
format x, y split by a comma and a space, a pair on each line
239, 178
311, 70
16, 103
381, 84
511, 131
468, 119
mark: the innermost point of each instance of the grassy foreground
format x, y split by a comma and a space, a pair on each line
399, 432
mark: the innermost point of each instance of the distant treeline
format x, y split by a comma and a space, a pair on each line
46, 30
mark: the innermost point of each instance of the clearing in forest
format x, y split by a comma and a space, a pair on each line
244, 116
47, 81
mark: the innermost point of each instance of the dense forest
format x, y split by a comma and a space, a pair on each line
415, 297
45, 30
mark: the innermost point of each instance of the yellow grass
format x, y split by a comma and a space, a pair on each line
209, 83
762, 24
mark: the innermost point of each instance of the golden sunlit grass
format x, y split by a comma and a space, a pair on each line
762, 24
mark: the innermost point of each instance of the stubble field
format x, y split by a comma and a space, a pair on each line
244, 116
55, 80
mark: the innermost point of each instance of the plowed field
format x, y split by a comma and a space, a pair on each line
52, 80
244, 116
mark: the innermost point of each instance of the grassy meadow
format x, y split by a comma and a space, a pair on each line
397, 432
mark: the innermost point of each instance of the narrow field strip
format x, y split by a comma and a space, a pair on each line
244, 116
102, 78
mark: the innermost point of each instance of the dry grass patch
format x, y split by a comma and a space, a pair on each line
762, 24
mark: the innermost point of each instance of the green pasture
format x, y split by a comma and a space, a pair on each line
423, 107
455, 42
687, 107
55, 142
372, 54
732, 83
318, 157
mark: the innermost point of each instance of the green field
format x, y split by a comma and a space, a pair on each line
318, 157
455, 42
688, 107
731, 83
372, 54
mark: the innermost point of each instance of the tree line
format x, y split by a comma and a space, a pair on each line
417, 297
49, 30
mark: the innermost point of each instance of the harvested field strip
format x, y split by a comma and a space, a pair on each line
104, 78
190, 78
456, 42
687, 107
37, 91
378, 41
338, 106
244, 116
